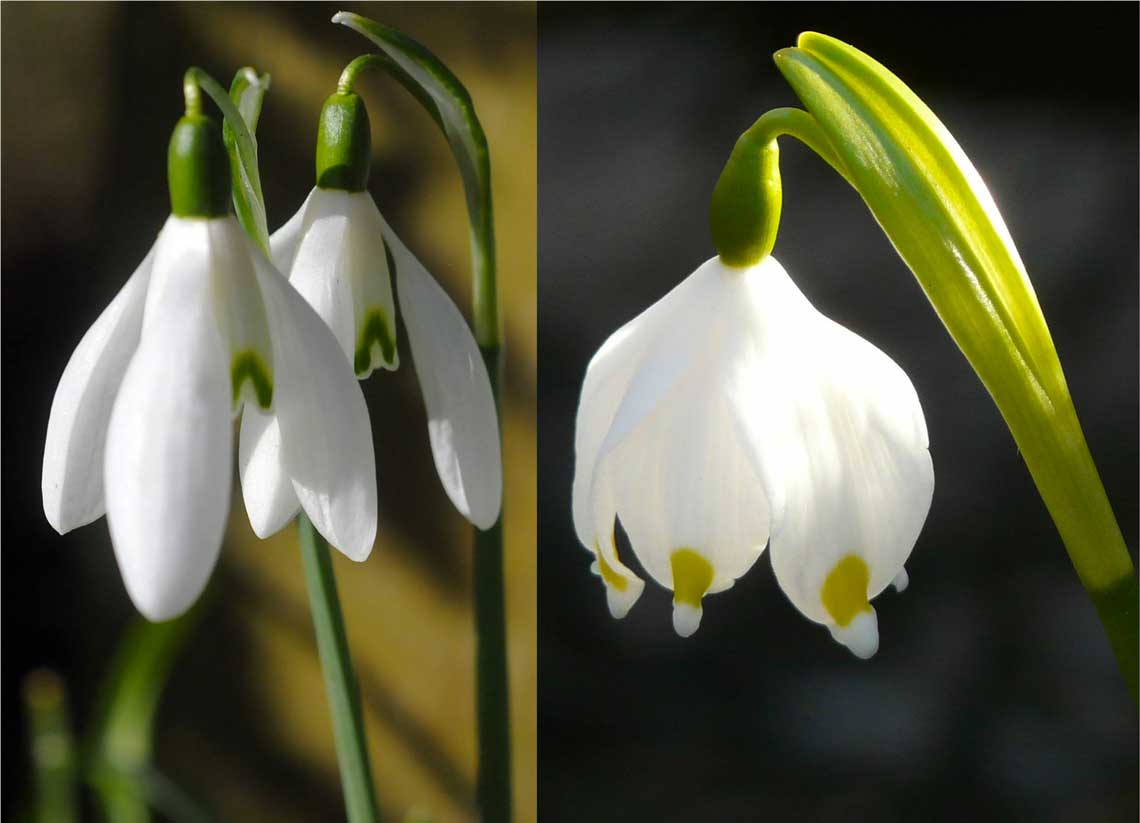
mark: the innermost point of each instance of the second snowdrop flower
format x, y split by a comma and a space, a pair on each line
341, 255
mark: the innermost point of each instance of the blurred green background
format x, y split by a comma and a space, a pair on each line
90, 93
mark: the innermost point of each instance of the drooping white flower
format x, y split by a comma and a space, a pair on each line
731, 415
338, 252
141, 422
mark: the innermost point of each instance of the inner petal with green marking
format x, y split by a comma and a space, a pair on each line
251, 379
375, 343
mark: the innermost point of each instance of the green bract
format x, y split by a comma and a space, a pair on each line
247, 92
935, 209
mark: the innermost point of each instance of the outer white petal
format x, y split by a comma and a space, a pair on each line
838, 438
608, 378
270, 500
283, 242
462, 420
325, 433
318, 267
72, 481
169, 443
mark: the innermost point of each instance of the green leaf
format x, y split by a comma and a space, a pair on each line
450, 106
934, 207
237, 132
124, 730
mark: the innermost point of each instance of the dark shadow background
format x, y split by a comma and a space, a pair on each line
90, 94
994, 695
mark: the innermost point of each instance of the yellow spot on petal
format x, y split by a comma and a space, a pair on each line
844, 592
692, 576
609, 573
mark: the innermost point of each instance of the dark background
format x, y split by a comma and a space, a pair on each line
994, 695
90, 94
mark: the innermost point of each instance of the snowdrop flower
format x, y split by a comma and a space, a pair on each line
732, 415
141, 424
340, 254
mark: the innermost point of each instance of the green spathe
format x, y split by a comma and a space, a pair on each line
198, 169
938, 214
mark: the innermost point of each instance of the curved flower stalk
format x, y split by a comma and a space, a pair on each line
773, 424
340, 254
141, 420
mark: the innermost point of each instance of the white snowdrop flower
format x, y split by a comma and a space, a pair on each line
731, 415
141, 423
340, 254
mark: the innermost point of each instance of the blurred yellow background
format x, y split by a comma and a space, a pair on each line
244, 726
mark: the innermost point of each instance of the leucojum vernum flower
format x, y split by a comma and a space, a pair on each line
140, 425
731, 416
340, 254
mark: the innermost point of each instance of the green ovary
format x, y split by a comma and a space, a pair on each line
248, 366
374, 331
844, 592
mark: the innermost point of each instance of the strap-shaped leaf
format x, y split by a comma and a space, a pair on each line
934, 207
238, 135
450, 106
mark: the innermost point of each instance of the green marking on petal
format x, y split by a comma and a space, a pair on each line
375, 344
247, 366
608, 573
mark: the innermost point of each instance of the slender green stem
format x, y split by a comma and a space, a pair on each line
493, 688
347, 82
340, 680
52, 749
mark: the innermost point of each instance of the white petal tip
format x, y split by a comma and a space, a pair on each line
686, 619
620, 602
484, 520
860, 636
901, 581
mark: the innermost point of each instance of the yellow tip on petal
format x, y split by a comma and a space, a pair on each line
844, 592
608, 574
692, 576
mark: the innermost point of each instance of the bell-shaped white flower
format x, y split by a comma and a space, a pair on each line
339, 252
141, 421
731, 414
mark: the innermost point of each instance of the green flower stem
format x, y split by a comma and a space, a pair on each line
347, 82
123, 743
744, 216
340, 680
52, 748
449, 104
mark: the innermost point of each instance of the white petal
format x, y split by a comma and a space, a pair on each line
72, 481
283, 242
838, 439
266, 486
608, 379
318, 270
325, 433
367, 264
623, 587
462, 420
169, 442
